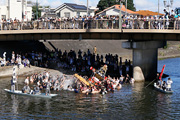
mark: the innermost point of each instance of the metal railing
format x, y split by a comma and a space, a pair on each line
93, 24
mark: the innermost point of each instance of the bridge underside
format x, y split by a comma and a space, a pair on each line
143, 42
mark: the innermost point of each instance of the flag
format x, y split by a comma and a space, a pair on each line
160, 76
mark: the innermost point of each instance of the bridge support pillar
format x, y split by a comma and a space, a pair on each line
145, 57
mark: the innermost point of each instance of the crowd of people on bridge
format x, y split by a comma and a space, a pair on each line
167, 21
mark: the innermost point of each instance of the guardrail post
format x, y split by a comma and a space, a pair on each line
133, 24
1, 25
83, 25
175, 25
21, 25
96, 24
163, 24
60, 24
149, 24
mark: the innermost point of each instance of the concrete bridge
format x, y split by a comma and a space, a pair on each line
109, 34
143, 42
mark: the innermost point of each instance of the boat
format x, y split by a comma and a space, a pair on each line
42, 95
161, 90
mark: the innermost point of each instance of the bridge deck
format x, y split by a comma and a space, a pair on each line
116, 34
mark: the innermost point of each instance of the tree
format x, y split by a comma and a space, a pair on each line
103, 4
34, 8
130, 5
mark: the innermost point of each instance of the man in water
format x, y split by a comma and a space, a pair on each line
169, 82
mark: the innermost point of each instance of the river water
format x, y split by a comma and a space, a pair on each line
131, 102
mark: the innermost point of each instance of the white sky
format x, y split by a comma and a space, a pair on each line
139, 4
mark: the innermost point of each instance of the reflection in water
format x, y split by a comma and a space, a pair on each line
15, 106
131, 102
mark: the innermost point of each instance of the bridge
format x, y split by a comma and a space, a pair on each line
143, 42
78, 34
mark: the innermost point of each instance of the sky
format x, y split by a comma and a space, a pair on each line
139, 4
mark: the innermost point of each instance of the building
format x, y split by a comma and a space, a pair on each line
47, 13
115, 9
70, 10
16, 9
148, 13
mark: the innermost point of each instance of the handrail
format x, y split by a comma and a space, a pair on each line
173, 24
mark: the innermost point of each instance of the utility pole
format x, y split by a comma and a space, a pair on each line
23, 11
120, 18
126, 7
158, 8
8, 8
36, 9
87, 8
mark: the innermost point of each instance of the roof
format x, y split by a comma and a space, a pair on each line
73, 6
124, 9
118, 8
147, 13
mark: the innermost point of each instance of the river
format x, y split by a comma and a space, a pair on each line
131, 102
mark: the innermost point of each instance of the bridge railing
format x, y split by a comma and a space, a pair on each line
93, 24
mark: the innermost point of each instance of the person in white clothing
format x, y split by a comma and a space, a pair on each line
169, 82
26, 81
13, 55
132, 81
18, 61
47, 74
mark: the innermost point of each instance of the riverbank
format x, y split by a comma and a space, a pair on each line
168, 56
171, 50
7, 71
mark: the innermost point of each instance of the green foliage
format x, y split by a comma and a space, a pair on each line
130, 5
34, 8
165, 47
103, 4
179, 47
162, 54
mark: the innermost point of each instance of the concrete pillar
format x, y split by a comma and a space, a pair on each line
145, 56
146, 59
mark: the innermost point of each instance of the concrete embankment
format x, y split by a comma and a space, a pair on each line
110, 46
7, 71
103, 47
